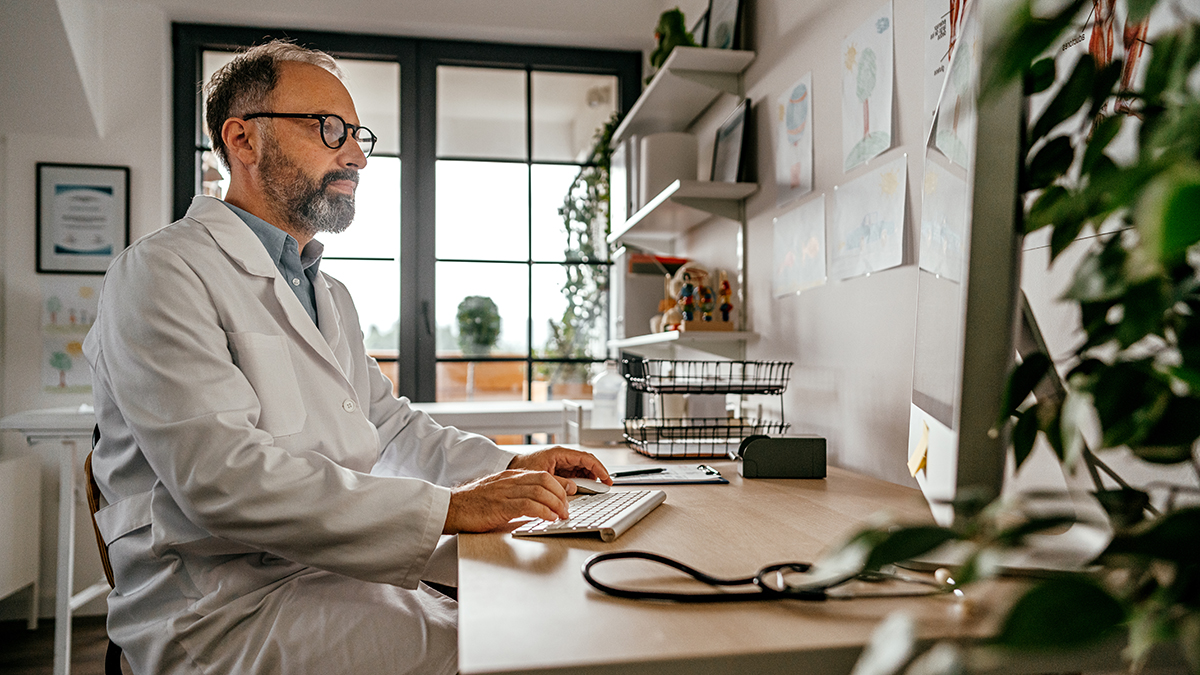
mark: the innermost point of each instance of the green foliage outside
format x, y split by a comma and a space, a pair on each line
586, 220
478, 325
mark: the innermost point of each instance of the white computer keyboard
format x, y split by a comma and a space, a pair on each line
608, 515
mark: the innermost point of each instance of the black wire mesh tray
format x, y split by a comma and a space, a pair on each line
694, 436
707, 377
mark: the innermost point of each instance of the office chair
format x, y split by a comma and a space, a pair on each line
112, 657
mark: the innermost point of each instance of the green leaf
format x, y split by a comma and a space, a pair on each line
1173, 434
1167, 218
1076, 415
1025, 40
1102, 86
1171, 537
1125, 507
1014, 535
1039, 77
1061, 613
1166, 49
1051, 163
1139, 9
1046, 208
1064, 235
907, 543
1024, 434
1021, 383
1069, 99
1102, 135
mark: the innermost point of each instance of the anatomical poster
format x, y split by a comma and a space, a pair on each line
867, 89
943, 29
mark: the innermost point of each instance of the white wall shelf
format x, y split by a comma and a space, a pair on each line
731, 345
680, 207
690, 80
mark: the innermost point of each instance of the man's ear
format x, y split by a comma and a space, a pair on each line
241, 141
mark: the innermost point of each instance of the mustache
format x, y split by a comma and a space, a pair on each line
343, 174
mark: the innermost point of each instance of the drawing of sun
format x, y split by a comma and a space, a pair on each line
851, 55
931, 182
889, 182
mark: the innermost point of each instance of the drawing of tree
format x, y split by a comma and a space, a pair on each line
62, 363
866, 86
53, 305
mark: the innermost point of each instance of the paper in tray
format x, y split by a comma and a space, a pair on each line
673, 474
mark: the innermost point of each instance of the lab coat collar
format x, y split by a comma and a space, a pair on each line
247, 251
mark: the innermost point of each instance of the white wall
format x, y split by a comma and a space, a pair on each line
851, 341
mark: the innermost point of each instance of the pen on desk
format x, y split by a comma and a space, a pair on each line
636, 472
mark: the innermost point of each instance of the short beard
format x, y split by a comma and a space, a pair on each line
309, 205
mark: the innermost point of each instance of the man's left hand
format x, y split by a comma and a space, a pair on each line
563, 462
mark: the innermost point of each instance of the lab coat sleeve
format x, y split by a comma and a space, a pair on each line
166, 358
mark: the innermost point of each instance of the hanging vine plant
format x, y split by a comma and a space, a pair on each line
585, 215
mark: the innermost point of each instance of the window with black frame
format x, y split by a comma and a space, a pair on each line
507, 300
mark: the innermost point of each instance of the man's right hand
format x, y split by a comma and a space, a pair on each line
491, 502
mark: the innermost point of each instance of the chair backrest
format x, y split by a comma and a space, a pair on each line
94, 498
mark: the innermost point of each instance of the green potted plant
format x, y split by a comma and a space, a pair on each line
1136, 374
478, 325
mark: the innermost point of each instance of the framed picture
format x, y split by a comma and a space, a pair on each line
727, 152
700, 30
82, 217
724, 24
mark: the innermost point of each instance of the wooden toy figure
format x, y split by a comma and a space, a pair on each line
724, 292
705, 303
687, 300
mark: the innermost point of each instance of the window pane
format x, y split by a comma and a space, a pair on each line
375, 287
481, 380
375, 232
211, 63
480, 113
482, 211
506, 285
568, 110
375, 88
551, 183
556, 381
569, 310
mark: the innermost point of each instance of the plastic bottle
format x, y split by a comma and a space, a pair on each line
608, 397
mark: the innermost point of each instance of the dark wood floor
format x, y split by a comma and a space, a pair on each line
26, 652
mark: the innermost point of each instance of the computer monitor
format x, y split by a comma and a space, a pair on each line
968, 278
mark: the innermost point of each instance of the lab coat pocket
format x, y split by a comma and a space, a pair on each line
266, 362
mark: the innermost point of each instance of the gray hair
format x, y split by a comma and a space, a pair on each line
244, 85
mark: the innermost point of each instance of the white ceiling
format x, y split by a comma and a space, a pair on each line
608, 24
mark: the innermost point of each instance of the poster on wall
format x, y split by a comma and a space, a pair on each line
800, 248
867, 231
943, 222
943, 28
794, 142
867, 89
68, 311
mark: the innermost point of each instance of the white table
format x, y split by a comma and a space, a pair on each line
498, 418
72, 429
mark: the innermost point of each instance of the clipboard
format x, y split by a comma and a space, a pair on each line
671, 475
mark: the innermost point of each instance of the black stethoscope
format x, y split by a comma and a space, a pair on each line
770, 583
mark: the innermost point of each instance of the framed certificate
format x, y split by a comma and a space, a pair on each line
82, 217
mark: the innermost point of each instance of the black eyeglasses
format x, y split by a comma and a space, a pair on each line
334, 129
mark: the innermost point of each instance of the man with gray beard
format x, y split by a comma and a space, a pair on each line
272, 508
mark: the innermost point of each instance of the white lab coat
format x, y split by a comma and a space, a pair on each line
245, 529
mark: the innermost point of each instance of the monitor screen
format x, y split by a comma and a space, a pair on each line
968, 277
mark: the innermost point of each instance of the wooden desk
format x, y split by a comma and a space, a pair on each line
71, 428
524, 606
